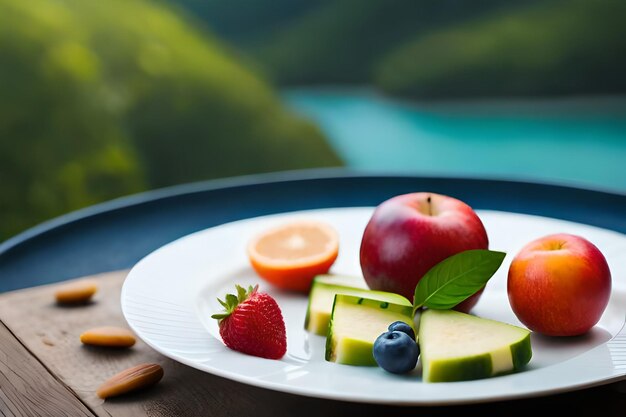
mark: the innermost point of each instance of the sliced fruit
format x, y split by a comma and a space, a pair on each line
458, 347
356, 323
289, 256
323, 292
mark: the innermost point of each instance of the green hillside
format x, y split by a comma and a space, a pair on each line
240, 20
342, 41
422, 48
559, 47
106, 98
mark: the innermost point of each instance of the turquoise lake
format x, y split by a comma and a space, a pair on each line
580, 142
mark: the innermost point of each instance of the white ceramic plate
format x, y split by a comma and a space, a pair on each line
169, 296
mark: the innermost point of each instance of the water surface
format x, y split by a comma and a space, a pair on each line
579, 141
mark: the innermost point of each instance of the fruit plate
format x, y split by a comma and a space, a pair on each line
169, 296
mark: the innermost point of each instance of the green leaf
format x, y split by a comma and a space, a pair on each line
224, 304
231, 301
241, 293
456, 278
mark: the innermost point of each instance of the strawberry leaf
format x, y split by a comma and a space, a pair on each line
241, 293
220, 316
223, 303
231, 301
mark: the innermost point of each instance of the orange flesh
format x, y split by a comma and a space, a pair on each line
293, 244
291, 255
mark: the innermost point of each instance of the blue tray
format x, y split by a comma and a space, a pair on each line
116, 234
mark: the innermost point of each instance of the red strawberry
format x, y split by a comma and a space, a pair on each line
252, 324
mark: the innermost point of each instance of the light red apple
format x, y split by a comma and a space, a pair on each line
559, 285
409, 234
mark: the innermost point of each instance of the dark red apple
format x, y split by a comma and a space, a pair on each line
559, 285
410, 233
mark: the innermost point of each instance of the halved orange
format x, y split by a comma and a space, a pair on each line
292, 254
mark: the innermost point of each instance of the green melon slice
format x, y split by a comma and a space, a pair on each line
323, 292
355, 324
458, 347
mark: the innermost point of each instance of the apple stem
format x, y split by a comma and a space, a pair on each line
430, 211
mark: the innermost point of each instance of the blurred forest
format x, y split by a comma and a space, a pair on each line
101, 99
106, 98
426, 49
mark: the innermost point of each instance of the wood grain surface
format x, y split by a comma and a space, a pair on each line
51, 333
27, 388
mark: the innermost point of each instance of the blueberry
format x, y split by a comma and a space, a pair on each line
400, 326
396, 352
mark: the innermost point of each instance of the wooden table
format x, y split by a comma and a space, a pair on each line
44, 370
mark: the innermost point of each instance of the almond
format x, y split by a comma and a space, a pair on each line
75, 292
109, 336
131, 379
